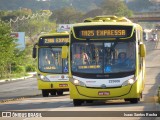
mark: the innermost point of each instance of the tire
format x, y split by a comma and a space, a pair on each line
45, 93
134, 100
53, 92
141, 95
59, 92
77, 102
126, 99
89, 101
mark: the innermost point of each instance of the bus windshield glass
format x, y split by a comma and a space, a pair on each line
103, 57
50, 61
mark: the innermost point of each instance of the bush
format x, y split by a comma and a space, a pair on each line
18, 69
30, 68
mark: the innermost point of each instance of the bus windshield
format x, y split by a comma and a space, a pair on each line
50, 61
103, 57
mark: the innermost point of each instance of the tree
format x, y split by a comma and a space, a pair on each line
66, 15
139, 5
109, 7
7, 47
115, 7
92, 14
31, 24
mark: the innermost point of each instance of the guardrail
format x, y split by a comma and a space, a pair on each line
147, 15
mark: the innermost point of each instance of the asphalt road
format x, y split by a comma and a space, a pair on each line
20, 88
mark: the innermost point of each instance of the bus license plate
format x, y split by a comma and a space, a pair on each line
101, 93
63, 85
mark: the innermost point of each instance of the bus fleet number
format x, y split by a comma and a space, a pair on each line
114, 81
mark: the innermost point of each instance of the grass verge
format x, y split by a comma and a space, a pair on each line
14, 76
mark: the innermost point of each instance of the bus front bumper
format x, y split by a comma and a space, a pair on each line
42, 85
79, 92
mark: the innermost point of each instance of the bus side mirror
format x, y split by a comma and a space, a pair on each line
64, 52
142, 50
34, 52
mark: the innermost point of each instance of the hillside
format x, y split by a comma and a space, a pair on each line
80, 5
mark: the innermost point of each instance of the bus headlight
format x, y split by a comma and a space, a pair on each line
77, 82
129, 82
42, 77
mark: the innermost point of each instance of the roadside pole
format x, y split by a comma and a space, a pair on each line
158, 39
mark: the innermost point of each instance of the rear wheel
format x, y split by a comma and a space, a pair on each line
77, 102
45, 93
53, 92
59, 92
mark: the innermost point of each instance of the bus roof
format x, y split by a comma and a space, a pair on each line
55, 34
105, 24
107, 20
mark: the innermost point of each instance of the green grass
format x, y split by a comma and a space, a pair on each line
15, 75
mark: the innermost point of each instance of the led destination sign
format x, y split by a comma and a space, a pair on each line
49, 41
103, 31
56, 40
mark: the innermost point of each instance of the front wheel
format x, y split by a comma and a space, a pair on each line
77, 102
134, 100
89, 101
45, 93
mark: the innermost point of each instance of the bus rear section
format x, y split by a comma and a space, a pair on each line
52, 69
106, 61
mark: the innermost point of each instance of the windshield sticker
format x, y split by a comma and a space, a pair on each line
89, 66
108, 69
65, 69
50, 68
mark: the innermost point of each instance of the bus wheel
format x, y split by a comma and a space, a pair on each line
77, 102
126, 99
89, 101
59, 92
141, 95
45, 93
134, 100
53, 92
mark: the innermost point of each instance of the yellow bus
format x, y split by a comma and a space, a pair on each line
52, 70
107, 60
